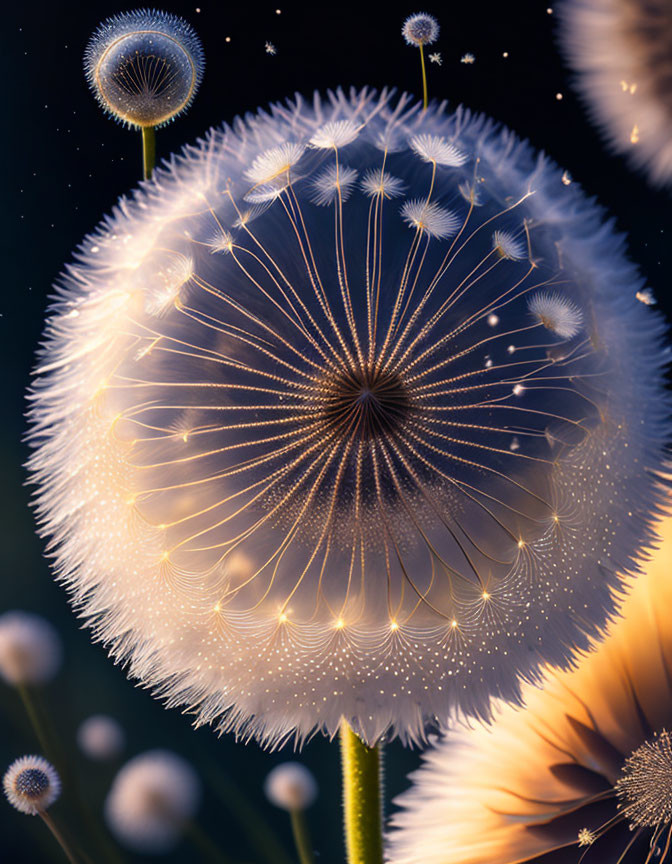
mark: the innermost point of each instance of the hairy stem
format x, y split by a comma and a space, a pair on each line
362, 799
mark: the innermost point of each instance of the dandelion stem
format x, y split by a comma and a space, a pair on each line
148, 151
204, 844
60, 839
425, 100
301, 834
362, 799
34, 718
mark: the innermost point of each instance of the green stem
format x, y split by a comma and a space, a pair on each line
362, 799
204, 844
304, 847
34, 718
60, 839
148, 151
425, 100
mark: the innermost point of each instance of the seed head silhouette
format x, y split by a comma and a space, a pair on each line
352, 411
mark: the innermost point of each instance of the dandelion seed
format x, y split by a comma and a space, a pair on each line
556, 313
508, 246
436, 58
585, 837
646, 296
420, 29
431, 219
270, 48
468, 59
435, 148
376, 182
333, 183
566, 178
31, 784
333, 135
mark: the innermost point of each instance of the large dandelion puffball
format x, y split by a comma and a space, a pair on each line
621, 53
587, 767
351, 411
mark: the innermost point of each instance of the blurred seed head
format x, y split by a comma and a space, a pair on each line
101, 737
356, 414
144, 67
152, 798
30, 648
587, 765
620, 53
420, 29
31, 784
291, 786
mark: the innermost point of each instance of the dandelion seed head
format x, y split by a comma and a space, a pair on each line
334, 135
644, 788
316, 426
420, 29
144, 67
585, 837
291, 786
101, 737
151, 799
508, 246
31, 784
30, 649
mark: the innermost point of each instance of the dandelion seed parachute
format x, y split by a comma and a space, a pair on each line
620, 51
290, 469
585, 768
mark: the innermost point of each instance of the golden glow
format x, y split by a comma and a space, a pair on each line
340, 624
634, 135
217, 607
282, 618
394, 625
485, 595
521, 543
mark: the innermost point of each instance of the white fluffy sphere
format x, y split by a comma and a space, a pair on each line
305, 451
151, 799
291, 786
30, 648
31, 784
101, 737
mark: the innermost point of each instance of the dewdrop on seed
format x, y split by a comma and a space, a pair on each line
31, 784
30, 649
152, 798
291, 786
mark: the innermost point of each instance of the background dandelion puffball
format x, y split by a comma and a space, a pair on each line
621, 53
352, 411
587, 764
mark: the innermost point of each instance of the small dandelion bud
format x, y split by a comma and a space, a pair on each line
420, 29
30, 649
152, 798
31, 784
101, 737
291, 786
